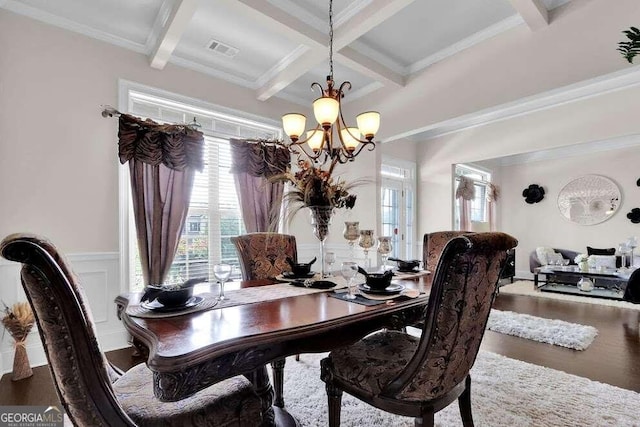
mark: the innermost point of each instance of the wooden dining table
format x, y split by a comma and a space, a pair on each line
189, 352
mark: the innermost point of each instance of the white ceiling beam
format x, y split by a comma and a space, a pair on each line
369, 67
175, 25
534, 13
289, 71
289, 25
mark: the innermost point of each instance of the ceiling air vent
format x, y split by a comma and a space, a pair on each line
222, 49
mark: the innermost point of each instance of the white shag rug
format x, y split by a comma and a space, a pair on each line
550, 331
525, 287
504, 392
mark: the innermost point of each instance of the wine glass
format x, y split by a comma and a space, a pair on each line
623, 250
632, 243
349, 271
222, 273
366, 242
351, 233
330, 258
384, 249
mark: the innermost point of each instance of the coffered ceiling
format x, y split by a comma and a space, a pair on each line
279, 47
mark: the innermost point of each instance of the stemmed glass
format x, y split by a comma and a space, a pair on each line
384, 249
366, 242
632, 243
222, 273
351, 233
330, 258
623, 249
349, 271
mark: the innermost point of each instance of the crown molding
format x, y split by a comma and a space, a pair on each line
574, 150
585, 89
67, 24
210, 71
281, 65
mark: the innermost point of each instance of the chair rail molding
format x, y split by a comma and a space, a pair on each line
99, 274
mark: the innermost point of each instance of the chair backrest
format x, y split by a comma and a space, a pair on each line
80, 371
264, 255
632, 291
433, 244
462, 292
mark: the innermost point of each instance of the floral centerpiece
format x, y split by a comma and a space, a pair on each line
315, 188
583, 261
18, 321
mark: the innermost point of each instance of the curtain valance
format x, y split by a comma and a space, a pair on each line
175, 146
259, 159
466, 189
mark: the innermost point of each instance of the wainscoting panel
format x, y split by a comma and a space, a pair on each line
99, 276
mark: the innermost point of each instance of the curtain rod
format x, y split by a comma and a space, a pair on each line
109, 111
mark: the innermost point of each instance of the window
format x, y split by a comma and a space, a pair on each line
398, 206
479, 208
214, 212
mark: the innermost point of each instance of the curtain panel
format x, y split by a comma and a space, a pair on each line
465, 193
162, 163
253, 163
492, 199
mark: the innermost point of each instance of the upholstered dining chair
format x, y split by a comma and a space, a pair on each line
417, 377
433, 244
632, 291
93, 392
264, 255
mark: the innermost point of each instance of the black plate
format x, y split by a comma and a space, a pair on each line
290, 275
389, 290
156, 306
413, 270
316, 284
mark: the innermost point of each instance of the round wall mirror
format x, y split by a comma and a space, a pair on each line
589, 200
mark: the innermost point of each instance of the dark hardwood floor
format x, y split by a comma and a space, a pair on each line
613, 358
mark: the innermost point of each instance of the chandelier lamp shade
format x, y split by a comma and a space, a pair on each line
331, 138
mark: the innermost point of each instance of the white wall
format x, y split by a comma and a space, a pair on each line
541, 224
598, 118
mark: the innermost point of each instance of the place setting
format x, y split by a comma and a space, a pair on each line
377, 288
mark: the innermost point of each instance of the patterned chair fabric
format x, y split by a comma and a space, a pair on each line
418, 376
433, 244
264, 255
91, 392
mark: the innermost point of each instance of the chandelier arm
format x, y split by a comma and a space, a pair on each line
345, 85
319, 86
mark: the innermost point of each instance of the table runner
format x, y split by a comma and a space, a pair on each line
237, 297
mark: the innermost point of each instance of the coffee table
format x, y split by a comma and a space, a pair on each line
608, 283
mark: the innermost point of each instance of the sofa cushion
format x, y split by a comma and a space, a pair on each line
554, 258
543, 252
597, 251
608, 261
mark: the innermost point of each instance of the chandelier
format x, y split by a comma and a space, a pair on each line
331, 138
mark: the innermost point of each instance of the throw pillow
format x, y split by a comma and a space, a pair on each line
597, 251
607, 261
542, 252
554, 258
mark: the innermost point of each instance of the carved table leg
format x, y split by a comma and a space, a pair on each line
260, 380
278, 380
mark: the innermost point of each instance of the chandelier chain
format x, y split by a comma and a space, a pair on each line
331, 38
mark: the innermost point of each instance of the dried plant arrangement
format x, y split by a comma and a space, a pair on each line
18, 321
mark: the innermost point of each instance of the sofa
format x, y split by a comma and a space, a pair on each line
566, 253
